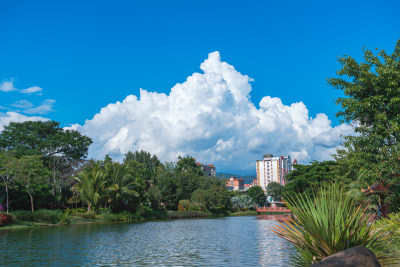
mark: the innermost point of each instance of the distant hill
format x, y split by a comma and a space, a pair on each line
248, 178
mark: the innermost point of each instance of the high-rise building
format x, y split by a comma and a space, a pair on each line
273, 169
208, 169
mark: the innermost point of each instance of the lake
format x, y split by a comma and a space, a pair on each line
227, 241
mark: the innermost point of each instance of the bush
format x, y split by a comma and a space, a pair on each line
186, 205
65, 218
108, 217
24, 215
48, 216
327, 223
42, 216
5, 219
85, 215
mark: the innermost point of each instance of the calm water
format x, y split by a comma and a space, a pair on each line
229, 241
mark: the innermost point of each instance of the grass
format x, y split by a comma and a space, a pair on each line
244, 213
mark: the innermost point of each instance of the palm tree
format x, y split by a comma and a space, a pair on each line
121, 185
90, 185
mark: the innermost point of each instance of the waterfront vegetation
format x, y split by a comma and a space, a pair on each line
46, 178
323, 228
331, 218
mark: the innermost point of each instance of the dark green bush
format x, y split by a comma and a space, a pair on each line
42, 216
23, 215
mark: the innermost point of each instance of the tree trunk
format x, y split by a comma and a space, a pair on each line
7, 198
31, 201
89, 207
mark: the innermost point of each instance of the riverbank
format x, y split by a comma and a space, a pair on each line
43, 218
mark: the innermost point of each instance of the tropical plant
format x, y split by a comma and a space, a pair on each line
243, 202
327, 223
122, 186
392, 226
90, 184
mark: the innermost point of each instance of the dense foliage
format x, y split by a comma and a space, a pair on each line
36, 171
323, 228
371, 103
257, 193
330, 218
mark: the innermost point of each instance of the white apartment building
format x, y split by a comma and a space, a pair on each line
273, 169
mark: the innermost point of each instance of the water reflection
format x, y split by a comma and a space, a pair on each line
230, 241
274, 251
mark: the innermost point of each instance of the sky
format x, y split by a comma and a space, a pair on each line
222, 81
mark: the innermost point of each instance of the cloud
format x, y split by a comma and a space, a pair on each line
210, 116
44, 108
6, 118
31, 90
24, 104
7, 86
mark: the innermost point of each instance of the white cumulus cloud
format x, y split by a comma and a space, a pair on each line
7, 86
210, 116
6, 118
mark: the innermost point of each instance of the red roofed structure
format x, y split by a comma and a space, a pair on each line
378, 188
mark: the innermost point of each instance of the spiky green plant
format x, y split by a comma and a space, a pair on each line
330, 222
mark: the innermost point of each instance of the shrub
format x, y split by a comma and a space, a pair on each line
23, 215
108, 217
5, 219
183, 205
85, 215
242, 202
48, 216
42, 216
65, 218
186, 205
330, 223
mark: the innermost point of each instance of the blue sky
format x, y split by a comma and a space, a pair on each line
85, 55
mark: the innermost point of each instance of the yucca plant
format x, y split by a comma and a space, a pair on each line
330, 222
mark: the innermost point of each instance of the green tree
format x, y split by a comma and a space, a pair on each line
167, 185
308, 178
151, 165
59, 148
371, 103
257, 193
188, 164
216, 199
122, 186
7, 173
90, 185
275, 190
30, 174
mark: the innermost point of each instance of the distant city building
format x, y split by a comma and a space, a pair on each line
235, 184
247, 186
273, 169
208, 170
